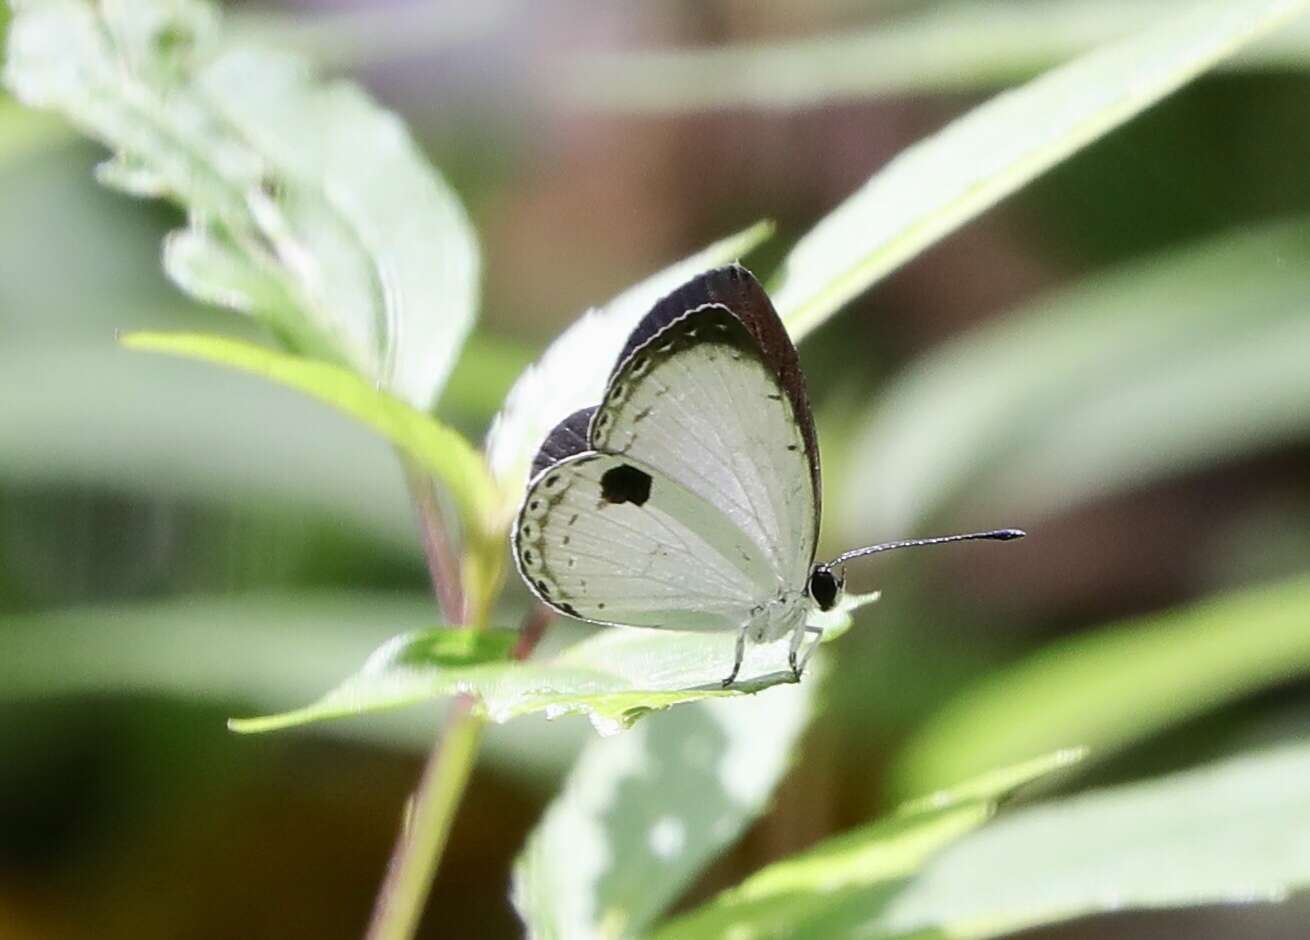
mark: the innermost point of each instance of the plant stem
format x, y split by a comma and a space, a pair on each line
422, 839
534, 627
443, 565
432, 809
432, 812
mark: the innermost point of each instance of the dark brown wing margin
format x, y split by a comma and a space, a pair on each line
736, 288
567, 438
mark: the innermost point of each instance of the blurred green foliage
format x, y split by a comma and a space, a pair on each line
167, 531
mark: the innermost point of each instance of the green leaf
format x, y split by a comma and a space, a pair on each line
571, 373
940, 183
308, 206
614, 677
945, 47
641, 814
263, 649
1166, 364
438, 449
1117, 685
869, 862
1237, 831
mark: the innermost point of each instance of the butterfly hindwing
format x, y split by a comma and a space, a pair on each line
611, 539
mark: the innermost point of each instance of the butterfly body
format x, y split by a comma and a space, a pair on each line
689, 497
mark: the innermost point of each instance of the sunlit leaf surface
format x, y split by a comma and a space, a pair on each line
615, 677
643, 812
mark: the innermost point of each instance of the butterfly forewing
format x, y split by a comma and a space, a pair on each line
610, 539
700, 404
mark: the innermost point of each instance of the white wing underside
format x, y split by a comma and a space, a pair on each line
668, 562
714, 418
727, 527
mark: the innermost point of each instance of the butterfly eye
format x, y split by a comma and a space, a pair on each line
824, 587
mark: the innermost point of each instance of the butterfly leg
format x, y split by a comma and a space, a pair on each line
796, 661
740, 655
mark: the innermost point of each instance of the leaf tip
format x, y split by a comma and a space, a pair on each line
138, 340
258, 724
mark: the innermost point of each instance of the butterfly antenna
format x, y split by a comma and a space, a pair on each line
998, 535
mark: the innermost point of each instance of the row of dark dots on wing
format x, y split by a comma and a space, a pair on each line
529, 531
529, 552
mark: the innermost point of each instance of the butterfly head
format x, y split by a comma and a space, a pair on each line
825, 586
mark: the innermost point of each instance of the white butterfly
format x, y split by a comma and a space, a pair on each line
689, 498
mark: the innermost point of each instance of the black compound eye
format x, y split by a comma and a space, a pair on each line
824, 587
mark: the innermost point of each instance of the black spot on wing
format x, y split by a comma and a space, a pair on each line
625, 484
567, 438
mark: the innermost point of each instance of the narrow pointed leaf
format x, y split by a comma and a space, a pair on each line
443, 452
869, 862
1237, 831
937, 185
1115, 686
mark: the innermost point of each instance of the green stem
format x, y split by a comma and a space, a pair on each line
443, 565
432, 812
422, 839
432, 809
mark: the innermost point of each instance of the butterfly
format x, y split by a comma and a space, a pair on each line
690, 497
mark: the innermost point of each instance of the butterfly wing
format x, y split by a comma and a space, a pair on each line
706, 419
612, 540
713, 398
